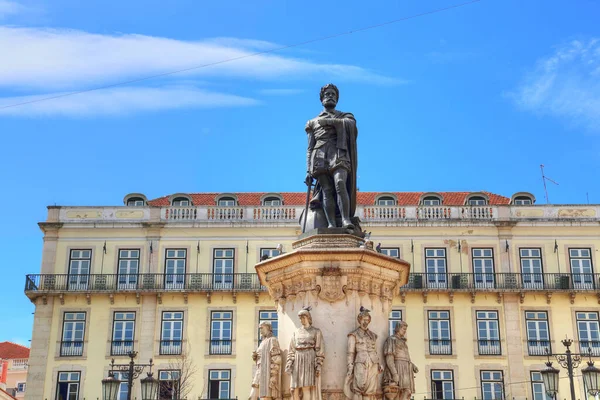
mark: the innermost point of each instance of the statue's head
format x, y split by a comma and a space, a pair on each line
329, 95
364, 318
266, 330
400, 328
305, 317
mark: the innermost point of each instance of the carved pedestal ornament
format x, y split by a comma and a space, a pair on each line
305, 359
363, 367
398, 375
266, 383
331, 288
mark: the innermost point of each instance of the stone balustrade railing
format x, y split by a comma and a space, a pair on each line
291, 214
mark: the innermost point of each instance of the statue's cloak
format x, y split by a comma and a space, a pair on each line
347, 134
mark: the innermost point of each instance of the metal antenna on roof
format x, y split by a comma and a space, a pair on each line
544, 179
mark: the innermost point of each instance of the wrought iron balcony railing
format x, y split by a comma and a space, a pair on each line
249, 282
220, 347
170, 347
440, 346
121, 347
71, 348
489, 347
538, 347
505, 281
194, 282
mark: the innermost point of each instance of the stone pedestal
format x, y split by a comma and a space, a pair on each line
334, 274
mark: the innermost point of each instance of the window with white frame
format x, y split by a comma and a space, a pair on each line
21, 386
492, 385
123, 387
223, 260
581, 268
72, 334
393, 320
79, 269
522, 201
442, 384
435, 263
135, 202
531, 268
123, 333
171, 335
67, 385
266, 253
272, 201
181, 202
226, 202
588, 331
537, 387
175, 265
538, 335
219, 384
488, 332
483, 268
169, 384
129, 265
391, 251
269, 316
221, 326
386, 201
440, 340
477, 201
431, 201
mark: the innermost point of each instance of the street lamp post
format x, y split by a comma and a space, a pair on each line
570, 361
110, 386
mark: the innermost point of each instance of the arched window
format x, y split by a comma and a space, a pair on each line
386, 201
522, 199
477, 201
226, 202
180, 202
272, 201
135, 202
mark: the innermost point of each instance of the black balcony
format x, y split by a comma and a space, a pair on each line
489, 347
220, 347
539, 347
587, 346
440, 347
505, 282
121, 347
71, 349
200, 282
170, 347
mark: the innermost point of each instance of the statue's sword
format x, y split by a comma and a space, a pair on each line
309, 186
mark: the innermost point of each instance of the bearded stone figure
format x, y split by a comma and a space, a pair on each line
398, 377
363, 361
305, 359
266, 383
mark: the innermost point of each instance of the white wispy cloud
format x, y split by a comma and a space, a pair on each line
8, 8
67, 59
565, 84
121, 101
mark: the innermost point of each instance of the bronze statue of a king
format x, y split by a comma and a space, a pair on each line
332, 161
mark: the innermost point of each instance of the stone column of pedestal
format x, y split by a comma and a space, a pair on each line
334, 276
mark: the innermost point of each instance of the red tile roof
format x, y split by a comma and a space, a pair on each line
10, 351
364, 198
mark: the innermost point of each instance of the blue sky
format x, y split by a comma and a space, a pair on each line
473, 98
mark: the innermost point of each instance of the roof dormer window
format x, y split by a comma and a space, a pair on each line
386, 201
477, 201
272, 201
181, 202
522, 199
136, 202
226, 202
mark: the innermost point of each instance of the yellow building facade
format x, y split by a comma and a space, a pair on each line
494, 282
